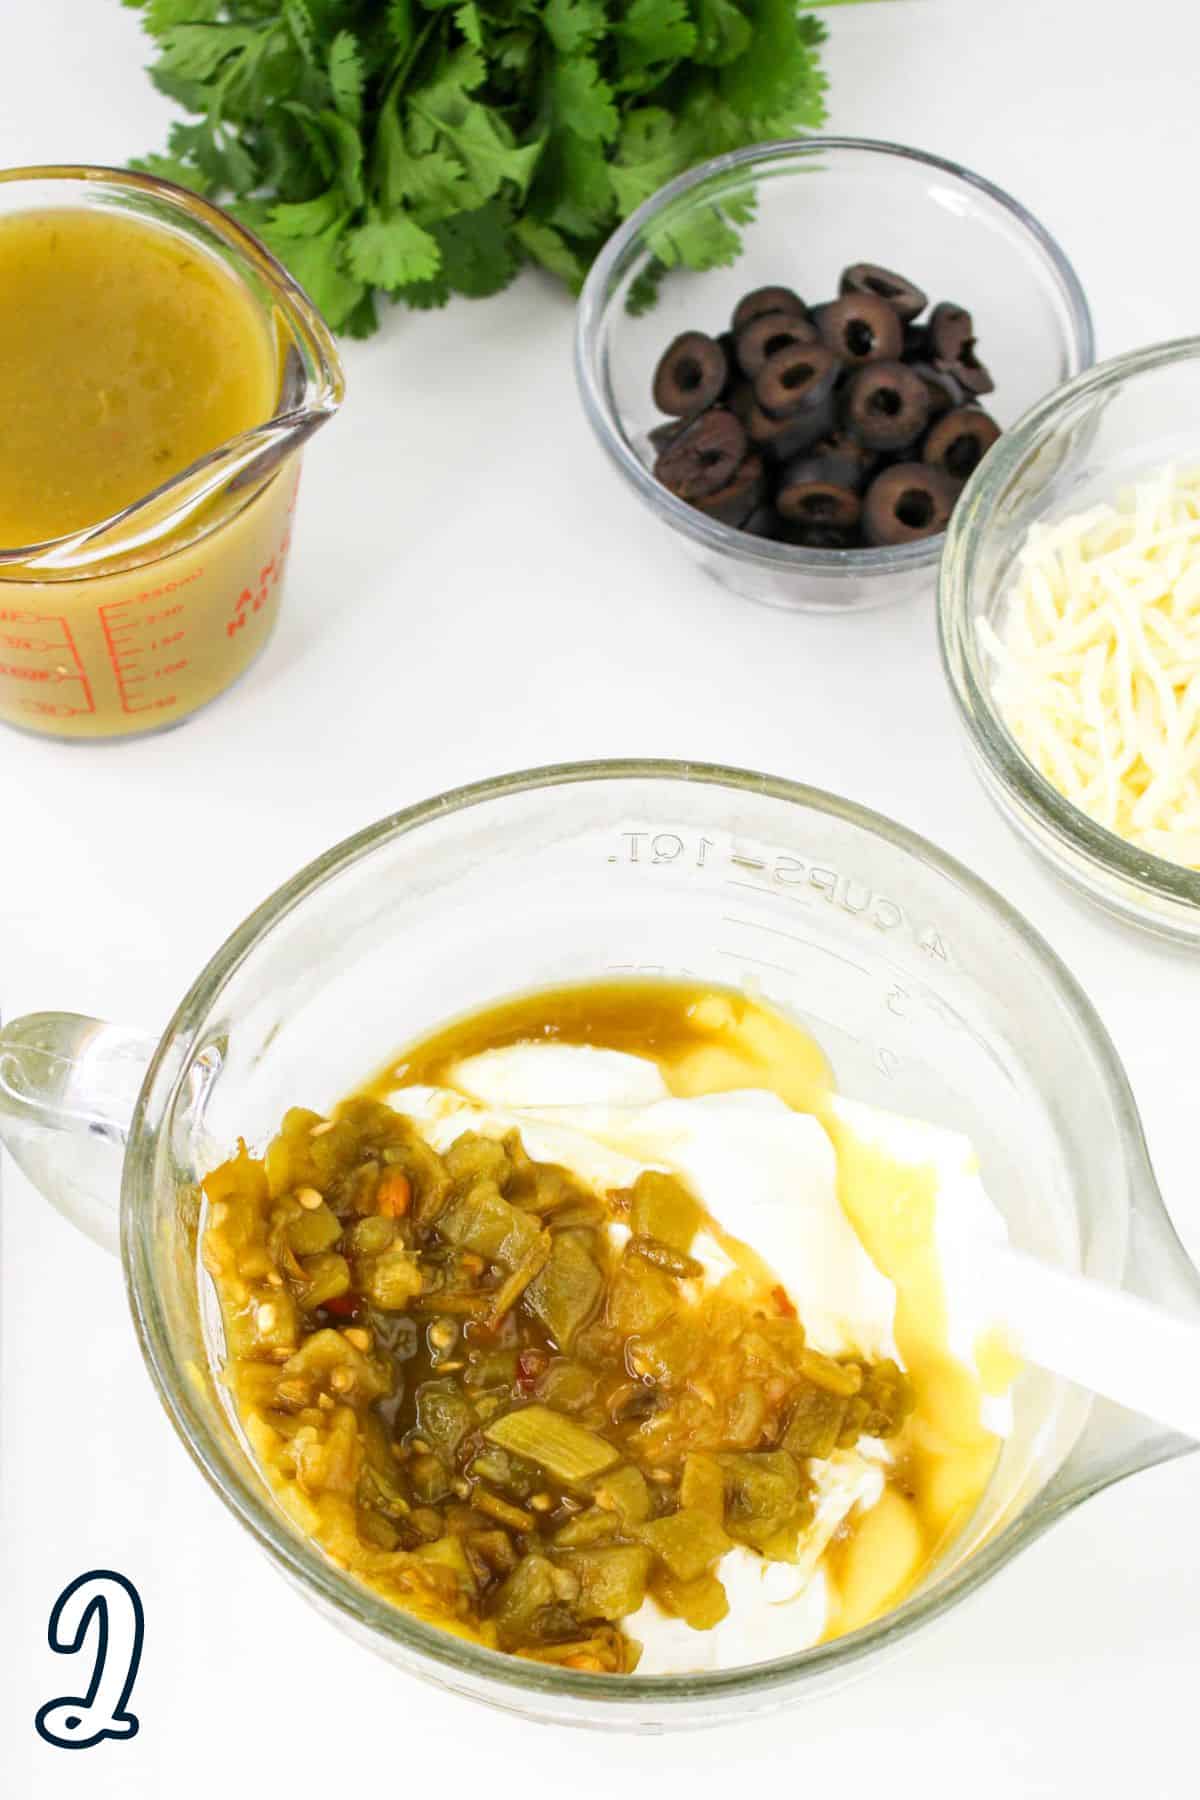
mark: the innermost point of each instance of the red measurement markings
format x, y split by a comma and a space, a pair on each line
253, 599
142, 634
40, 652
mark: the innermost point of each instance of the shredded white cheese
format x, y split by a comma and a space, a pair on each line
1097, 661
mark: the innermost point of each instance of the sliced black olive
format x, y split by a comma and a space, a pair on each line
733, 504
916, 346
796, 379
766, 300
739, 398
817, 535
869, 278
958, 442
763, 521
950, 327
907, 502
767, 335
815, 502
845, 460
886, 405
860, 328
703, 458
944, 389
690, 375
787, 437
816, 470
974, 376
662, 435
952, 342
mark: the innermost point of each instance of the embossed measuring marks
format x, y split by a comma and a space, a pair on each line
106, 1607
783, 875
40, 660
796, 881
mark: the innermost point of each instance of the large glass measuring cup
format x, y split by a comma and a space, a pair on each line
929, 993
131, 624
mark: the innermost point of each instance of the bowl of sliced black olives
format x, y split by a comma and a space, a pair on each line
807, 419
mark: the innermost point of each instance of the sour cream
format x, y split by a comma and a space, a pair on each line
768, 1176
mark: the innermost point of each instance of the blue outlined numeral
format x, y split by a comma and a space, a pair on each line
113, 1603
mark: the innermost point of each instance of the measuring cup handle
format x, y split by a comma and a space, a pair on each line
68, 1085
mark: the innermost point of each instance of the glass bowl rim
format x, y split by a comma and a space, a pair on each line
1069, 826
147, 1163
593, 307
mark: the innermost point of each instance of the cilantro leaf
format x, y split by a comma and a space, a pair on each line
398, 23
656, 31
652, 150
584, 101
446, 118
478, 253
470, 22
435, 180
723, 33
701, 240
302, 26
574, 185
195, 52
419, 148
643, 289
777, 66
549, 248
170, 168
391, 251
574, 25
307, 218
347, 148
346, 76
162, 14
316, 262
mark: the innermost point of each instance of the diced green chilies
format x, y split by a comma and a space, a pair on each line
564, 1449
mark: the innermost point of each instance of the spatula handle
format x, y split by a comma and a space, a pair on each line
1115, 1343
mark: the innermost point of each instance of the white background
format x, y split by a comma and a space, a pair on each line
457, 522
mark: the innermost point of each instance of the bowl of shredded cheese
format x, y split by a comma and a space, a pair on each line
1070, 631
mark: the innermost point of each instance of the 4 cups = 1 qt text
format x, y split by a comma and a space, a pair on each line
783, 873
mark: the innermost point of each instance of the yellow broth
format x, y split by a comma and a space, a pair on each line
127, 353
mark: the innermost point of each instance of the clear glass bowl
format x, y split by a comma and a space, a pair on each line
819, 204
1122, 419
930, 995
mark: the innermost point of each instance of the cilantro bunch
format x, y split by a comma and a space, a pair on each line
419, 148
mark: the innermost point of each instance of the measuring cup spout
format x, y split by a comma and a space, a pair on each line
227, 477
1116, 1442
68, 1085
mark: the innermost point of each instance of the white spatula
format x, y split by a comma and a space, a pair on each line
1117, 1344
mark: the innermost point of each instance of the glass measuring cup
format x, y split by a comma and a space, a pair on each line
136, 621
930, 995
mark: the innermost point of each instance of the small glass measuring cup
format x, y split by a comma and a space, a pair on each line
132, 624
930, 995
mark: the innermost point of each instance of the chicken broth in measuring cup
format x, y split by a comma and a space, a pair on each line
129, 352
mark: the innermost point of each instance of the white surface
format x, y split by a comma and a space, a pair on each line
1075, 1671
